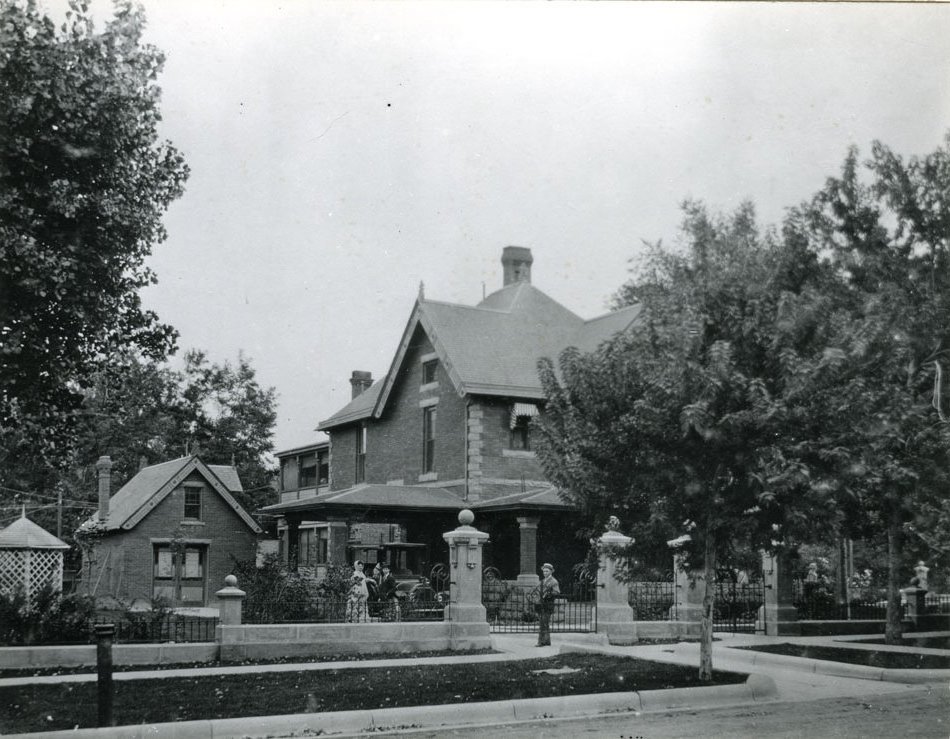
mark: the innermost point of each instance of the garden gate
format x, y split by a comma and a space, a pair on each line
512, 609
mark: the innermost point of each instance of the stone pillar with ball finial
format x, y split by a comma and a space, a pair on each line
614, 612
465, 609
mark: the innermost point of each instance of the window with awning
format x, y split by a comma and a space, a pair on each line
520, 425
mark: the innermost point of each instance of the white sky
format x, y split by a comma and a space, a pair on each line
342, 152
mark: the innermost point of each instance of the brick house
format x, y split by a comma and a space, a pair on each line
170, 532
449, 427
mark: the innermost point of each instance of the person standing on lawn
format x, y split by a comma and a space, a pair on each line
548, 591
387, 594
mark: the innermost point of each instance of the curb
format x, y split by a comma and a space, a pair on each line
839, 669
756, 688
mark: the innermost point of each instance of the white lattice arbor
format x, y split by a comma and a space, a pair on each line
30, 558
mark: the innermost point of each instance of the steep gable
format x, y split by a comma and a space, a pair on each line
151, 485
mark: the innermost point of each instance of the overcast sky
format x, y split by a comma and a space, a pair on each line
341, 153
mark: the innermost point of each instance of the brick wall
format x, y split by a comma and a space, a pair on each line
394, 443
490, 456
128, 570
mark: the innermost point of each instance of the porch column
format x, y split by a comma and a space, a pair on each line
688, 592
528, 531
337, 536
293, 542
614, 612
465, 609
779, 612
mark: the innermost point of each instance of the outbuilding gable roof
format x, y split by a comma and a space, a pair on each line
151, 485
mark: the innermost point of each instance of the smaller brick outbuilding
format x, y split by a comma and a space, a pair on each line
171, 532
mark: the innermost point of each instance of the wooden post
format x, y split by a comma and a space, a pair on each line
104, 636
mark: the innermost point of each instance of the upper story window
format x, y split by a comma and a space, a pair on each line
307, 470
361, 440
193, 502
307, 476
428, 438
520, 425
428, 371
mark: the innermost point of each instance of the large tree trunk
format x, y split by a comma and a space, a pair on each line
706, 625
893, 628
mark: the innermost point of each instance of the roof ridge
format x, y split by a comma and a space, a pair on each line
466, 306
613, 312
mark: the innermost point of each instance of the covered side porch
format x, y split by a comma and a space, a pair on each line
402, 526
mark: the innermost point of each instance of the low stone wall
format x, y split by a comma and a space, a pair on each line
23, 658
662, 629
272, 641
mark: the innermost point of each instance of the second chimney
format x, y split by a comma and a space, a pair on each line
516, 261
360, 381
104, 468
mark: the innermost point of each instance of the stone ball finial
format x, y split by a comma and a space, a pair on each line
466, 517
230, 581
613, 524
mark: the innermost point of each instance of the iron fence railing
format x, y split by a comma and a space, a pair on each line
736, 607
162, 627
416, 606
513, 609
937, 603
654, 600
815, 602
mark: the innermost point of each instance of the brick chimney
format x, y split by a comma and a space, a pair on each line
516, 261
361, 381
104, 468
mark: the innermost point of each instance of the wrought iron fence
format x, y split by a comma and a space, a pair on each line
937, 603
148, 627
653, 600
421, 603
815, 602
736, 606
513, 609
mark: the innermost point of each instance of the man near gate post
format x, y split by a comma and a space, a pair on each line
548, 591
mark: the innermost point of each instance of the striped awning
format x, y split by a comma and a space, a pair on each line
518, 410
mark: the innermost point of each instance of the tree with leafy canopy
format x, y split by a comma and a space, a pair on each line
681, 423
140, 412
84, 183
883, 419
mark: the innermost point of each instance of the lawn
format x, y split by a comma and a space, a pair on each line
48, 707
872, 658
930, 642
91, 669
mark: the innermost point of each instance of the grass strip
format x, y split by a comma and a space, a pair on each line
53, 707
872, 658
297, 660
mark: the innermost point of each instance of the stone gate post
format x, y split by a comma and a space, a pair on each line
779, 612
465, 610
614, 612
689, 590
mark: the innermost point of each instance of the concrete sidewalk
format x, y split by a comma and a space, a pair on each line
795, 680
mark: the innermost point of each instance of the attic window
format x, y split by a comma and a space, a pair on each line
428, 371
193, 502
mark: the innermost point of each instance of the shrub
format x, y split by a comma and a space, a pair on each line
49, 618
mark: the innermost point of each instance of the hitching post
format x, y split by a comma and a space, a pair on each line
104, 635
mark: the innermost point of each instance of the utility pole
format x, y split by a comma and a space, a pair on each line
59, 511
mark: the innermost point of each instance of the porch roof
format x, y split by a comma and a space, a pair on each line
418, 498
394, 497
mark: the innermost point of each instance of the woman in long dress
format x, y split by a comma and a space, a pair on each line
356, 601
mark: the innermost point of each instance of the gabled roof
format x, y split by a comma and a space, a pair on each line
142, 494
24, 534
360, 407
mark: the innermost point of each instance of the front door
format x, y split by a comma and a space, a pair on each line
179, 576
